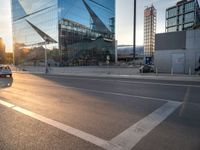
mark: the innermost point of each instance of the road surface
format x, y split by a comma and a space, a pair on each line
88, 113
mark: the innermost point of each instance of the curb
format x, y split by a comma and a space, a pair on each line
152, 77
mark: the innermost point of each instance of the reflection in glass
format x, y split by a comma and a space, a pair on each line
187, 16
79, 32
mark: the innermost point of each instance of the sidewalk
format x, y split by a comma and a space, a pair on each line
112, 72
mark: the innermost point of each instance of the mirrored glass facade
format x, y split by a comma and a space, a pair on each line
185, 15
74, 32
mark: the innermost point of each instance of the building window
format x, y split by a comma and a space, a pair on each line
188, 25
189, 17
172, 12
180, 9
180, 28
189, 6
171, 22
180, 19
171, 29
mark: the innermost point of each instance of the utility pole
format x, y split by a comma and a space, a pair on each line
45, 55
134, 30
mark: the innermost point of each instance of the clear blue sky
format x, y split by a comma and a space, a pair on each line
124, 19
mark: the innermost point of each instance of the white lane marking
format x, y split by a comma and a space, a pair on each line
123, 81
124, 141
105, 92
131, 136
70, 130
119, 94
185, 101
127, 82
6, 104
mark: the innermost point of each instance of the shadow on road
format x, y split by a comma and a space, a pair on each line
82, 104
5, 82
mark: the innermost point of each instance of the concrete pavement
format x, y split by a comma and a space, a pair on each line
106, 72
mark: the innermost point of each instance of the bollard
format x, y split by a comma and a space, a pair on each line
156, 71
172, 71
190, 71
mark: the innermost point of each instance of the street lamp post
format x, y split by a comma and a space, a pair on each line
134, 30
45, 55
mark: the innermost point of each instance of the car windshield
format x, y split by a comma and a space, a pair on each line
5, 68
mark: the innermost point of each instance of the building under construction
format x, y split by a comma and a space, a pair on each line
149, 33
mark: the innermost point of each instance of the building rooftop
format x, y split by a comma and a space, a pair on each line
180, 3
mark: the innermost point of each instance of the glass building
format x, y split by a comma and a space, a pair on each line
149, 33
2, 51
74, 32
183, 16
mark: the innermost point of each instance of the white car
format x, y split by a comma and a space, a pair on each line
5, 71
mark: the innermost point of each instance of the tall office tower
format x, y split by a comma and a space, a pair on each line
183, 16
149, 33
2, 51
74, 32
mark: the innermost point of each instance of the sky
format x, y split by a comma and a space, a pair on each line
5, 23
124, 23
124, 20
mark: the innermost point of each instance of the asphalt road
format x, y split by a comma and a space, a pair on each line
87, 113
